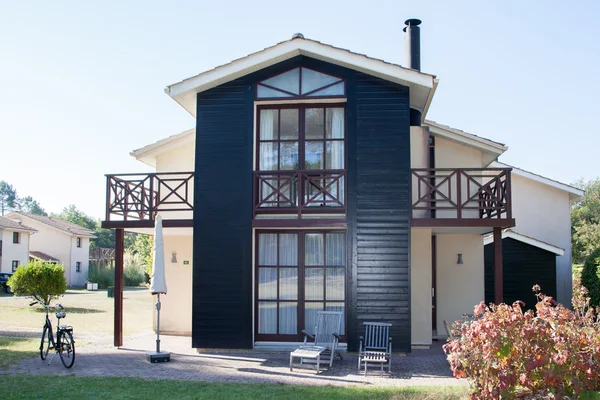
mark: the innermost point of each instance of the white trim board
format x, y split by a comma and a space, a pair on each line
488, 239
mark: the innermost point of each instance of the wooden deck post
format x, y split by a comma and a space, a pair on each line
498, 283
118, 291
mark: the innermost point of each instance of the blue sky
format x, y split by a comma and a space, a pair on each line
82, 82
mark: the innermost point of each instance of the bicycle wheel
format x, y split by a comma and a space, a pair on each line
67, 348
46, 342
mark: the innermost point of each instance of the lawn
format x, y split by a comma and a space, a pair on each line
71, 387
13, 350
86, 311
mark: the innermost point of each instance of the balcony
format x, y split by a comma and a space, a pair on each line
461, 197
133, 200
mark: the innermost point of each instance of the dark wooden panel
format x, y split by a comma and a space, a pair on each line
524, 266
378, 205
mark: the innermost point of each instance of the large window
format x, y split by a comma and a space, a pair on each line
298, 274
301, 83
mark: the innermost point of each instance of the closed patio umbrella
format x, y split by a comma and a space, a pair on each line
158, 286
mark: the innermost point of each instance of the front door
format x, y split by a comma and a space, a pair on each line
297, 274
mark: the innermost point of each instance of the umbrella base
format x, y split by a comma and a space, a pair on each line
155, 357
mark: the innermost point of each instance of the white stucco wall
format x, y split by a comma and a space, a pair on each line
176, 311
419, 158
178, 159
13, 251
544, 213
459, 286
420, 284
79, 254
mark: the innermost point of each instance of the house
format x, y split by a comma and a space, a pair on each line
312, 181
61, 242
14, 244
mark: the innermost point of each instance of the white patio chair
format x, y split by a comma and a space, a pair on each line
376, 346
324, 341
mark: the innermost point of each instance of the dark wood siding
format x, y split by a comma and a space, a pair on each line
222, 279
378, 177
524, 266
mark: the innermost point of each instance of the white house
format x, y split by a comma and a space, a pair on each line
14, 244
59, 241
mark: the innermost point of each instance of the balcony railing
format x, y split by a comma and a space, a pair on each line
462, 194
301, 192
139, 197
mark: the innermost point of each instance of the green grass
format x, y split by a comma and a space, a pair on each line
71, 387
13, 350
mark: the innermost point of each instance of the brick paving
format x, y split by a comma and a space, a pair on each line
98, 357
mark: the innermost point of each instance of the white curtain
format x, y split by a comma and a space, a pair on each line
268, 151
337, 132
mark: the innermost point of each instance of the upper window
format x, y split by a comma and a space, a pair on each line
15, 265
16, 237
299, 83
78, 242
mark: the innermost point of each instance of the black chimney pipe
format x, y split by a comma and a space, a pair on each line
413, 43
413, 57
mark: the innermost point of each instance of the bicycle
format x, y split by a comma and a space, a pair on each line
64, 344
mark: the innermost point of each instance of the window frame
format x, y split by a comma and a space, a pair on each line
301, 135
78, 266
16, 237
15, 264
78, 242
306, 96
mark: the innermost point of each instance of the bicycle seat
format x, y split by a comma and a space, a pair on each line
61, 314
65, 328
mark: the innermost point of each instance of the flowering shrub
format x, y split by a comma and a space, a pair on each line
506, 353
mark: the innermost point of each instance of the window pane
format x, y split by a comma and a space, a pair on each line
312, 80
334, 284
314, 155
315, 121
333, 90
288, 81
310, 316
267, 317
313, 283
268, 156
335, 154
288, 318
269, 122
313, 249
289, 156
289, 124
336, 249
288, 249
335, 123
267, 283
265, 92
288, 284
267, 249
337, 307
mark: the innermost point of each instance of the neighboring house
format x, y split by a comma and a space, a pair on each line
313, 181
14, 244
60, 242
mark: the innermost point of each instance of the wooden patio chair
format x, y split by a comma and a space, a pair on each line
376, 346
323, 343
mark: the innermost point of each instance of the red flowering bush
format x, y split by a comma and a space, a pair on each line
506, 353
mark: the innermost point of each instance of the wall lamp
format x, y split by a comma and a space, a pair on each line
174, 257
460, 259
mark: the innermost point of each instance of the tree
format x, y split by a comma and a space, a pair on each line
8, 198
142, 247
41, 281
585, 220
590, 277
30, 206
77, 217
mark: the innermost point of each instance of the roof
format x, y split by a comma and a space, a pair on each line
148, 154
421, 85
492, 150
574, 192
511, 234
56, 223
9, 224
38, 255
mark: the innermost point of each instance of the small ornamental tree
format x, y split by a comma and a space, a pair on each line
590, 279
506, 353
41, 281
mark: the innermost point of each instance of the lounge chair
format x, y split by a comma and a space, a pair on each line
376, 346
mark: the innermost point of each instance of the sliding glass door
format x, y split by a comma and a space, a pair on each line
297, 274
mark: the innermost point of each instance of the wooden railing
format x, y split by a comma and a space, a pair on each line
301, 192
140, 196
461, 193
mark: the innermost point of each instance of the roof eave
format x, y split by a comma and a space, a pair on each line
485, 145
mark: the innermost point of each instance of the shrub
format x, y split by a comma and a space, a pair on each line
133, 269
590, 279
41, 281
506, 352
103, 274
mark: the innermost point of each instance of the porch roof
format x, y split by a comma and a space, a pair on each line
509, 233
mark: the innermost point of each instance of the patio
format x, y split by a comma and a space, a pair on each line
99, 358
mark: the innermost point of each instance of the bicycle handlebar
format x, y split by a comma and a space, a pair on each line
57, 305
